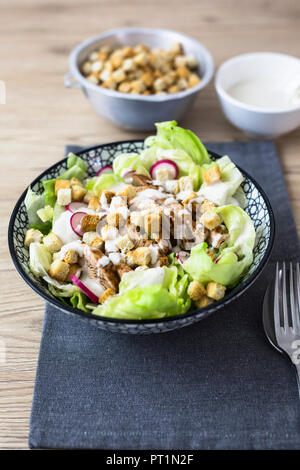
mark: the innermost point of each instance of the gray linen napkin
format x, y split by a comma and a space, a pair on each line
217, 384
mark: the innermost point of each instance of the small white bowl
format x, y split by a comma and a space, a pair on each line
253, 120
133, 111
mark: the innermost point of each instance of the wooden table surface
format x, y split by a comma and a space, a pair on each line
40, 116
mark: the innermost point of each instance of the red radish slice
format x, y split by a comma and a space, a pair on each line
216, 260
165, 165
75, 206
105, 169
84, 289
75, 222
182, 256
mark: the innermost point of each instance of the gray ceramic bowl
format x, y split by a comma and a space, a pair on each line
258, 208
138, 112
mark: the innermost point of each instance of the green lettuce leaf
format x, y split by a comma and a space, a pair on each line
40, 259
76, 168
34, 202
49, 187
234, 258
104, 181
129, 162
79, 300
45, 214
171, 136
146, 294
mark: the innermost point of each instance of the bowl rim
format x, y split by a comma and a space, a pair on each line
75, 72
239, 104
206, 311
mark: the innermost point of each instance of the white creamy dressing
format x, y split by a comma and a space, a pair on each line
116, 257
151, 194
117, 187
92, 284
267, 93
75, 246
62, 228
182, 195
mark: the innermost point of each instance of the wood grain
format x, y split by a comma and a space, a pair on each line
41, 116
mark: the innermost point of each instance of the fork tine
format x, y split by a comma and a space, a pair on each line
284, 299
293, 300
276, 303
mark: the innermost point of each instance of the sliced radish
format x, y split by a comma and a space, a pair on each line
182, 256
164, 165
84, 289
75, 222
105, 169
75, 206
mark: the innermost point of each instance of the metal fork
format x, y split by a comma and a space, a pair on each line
287, 313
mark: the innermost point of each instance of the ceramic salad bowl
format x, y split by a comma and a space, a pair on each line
258, 208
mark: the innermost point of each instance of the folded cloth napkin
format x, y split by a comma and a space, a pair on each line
217, 384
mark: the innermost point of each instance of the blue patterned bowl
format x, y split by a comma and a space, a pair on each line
258, 208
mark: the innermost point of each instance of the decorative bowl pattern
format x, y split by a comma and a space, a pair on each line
258, 209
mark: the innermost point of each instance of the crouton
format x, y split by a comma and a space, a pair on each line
89, 223
75, 182
207, 206
109, 233
59, 270
64, 196
212, 175
172, 186
200, 233
142, 256
74, 269
71, 257
130, 259
52, 242
215, 291
196, 290
210, 219
62, 184
88, 196
128, 192
32, 235
94, 203
186, 184
115, 219
78, 192
105, 196
106, 295
124, 244
203, 302
97, 243
88, 237
217, 237
190, 198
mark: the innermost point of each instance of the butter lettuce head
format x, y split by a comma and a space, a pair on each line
147, 294
171, 136
234, 258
